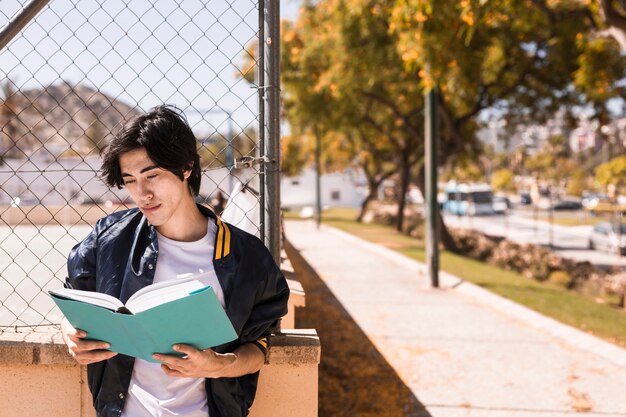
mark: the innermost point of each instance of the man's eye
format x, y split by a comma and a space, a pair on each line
126, 182
152, 176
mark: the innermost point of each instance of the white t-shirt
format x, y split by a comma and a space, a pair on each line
152, 393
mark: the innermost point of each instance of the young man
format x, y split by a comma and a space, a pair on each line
154, 157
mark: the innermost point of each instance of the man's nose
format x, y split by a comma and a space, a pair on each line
145, 191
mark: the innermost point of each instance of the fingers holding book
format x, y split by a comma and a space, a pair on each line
195, 363
84, 351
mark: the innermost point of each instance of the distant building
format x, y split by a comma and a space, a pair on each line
590, 135
341, 189
531, 136
585, 137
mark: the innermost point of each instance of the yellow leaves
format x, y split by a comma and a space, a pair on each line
325, 84
410, 55
467, 14
495, 19
427, 79
468, 18
556, 4
289, 36
420, 17
599, 65
295, 51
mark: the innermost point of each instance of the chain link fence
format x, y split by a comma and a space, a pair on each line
73, 74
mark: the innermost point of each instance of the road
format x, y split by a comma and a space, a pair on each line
568, 241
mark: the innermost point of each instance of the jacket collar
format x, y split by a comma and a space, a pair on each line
222, 237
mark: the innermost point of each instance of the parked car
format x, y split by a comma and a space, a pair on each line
605, 206
567, 205
608, 237
525, 199
500, 204
591, 199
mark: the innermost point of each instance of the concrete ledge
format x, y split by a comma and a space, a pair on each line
44, 346
295, 347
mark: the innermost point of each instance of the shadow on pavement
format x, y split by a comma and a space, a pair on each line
354, 378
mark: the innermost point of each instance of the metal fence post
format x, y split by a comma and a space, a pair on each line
272, 168
260, 80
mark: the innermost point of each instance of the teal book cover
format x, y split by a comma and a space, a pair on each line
197, 320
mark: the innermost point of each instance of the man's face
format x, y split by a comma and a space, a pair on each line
160, 195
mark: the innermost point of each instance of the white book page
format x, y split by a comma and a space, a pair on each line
163, 292
91, 297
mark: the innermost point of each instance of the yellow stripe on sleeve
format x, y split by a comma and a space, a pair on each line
226, 239
220, 237
263, 342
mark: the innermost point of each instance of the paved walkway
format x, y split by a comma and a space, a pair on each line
462, 350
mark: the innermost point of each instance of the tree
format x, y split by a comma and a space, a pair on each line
576, 185
329, 85
525, 58
502, 180
612, 172
361, 67
614, 15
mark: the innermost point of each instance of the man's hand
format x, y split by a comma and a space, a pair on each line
207, 363
84, 351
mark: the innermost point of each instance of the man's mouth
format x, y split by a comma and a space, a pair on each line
150, 209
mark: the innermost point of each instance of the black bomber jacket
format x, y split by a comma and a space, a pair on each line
119, 257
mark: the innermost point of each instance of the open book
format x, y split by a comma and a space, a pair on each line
152, 320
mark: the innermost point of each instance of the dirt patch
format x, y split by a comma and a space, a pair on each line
354, 378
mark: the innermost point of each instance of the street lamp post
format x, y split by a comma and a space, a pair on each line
431, 163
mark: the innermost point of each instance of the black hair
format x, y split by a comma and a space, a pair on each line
168, 140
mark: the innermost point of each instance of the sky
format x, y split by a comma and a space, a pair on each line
144, 52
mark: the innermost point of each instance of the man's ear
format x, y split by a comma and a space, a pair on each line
187, 172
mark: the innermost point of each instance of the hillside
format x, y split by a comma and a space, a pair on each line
60, 119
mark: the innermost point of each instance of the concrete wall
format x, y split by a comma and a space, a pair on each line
39, 378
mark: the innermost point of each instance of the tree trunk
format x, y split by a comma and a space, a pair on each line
446, 238
370, 196
616, 22
373, 181
404, 187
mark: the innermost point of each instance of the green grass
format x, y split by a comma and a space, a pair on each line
573, 221
581, 218
603, 319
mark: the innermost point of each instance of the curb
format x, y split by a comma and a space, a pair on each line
565, 333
